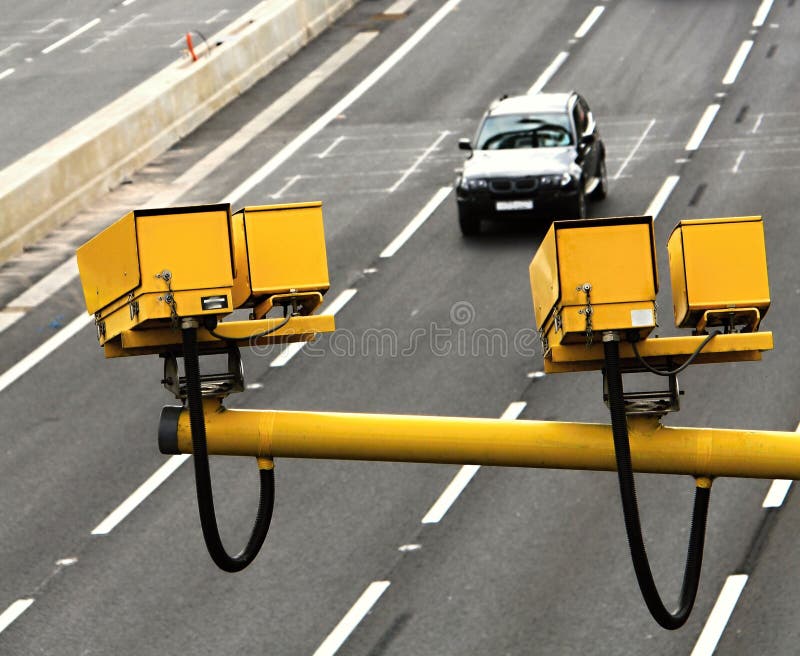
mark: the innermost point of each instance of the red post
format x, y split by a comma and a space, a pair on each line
190, 46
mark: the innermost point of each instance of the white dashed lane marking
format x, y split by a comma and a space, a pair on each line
13, 612
464, 476
70, 36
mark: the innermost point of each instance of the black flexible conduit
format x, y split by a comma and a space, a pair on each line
630, 509
202, 474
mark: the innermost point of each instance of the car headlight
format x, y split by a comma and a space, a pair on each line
474, 183
565, 179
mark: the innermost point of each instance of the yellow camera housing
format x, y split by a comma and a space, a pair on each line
614, 260
593, 275
718, 271
154, 267
279, 251
154, 264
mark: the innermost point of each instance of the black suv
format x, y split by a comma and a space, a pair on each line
541, 151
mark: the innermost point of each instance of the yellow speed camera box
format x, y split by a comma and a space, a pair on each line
718, 265
156, 265
593, 275
285, 249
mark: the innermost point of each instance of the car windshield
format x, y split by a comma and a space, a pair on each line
525, 131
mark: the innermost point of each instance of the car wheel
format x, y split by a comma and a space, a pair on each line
601, 190
468, 221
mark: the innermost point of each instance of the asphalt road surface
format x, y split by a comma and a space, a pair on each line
61, 61
521, 561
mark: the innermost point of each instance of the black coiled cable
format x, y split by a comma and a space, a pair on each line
630, 510
202, 474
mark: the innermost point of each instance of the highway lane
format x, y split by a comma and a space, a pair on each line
336, 575
548, 596
60, 63
411, 506
753, 122
117, 450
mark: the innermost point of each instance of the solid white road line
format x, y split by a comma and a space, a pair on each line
9, 317
262, 121
464, 476
702, 127
423, 215
140, 494
41, 352
548, 72
6, 73
720, 614
417, 162
359, 90
777, 493
737, 62
635, 148
38, 293
591, 19
762, 12
71, 36
295, 347
352, 619
47, 286
13, 612
660, 199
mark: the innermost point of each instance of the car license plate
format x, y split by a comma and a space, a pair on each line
506, 205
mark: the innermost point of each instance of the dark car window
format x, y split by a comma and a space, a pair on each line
525, 131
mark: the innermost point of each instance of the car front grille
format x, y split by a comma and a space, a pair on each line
511, 185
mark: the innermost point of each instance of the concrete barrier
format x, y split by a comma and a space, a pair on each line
51, 184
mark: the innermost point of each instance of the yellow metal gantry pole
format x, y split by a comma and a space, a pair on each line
699, 452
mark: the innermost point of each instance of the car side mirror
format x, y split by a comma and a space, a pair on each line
589, 135
464, 144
